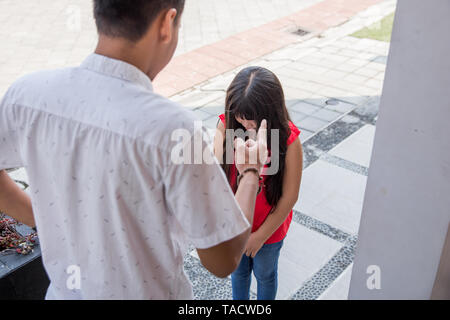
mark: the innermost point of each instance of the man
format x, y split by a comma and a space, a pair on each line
110, 205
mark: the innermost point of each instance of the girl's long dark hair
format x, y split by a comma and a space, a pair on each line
257, 94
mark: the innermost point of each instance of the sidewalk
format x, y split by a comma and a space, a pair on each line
332, 84
199, 65
49, 34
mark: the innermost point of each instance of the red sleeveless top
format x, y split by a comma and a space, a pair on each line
262, 207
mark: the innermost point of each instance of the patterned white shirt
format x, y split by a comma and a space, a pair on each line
111, 207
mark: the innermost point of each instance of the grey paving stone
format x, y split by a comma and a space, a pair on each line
337, 105
213, 109
326, 115
296, 117
305, 134
291, 102
313, 124
196, 98
358, 147
305, 108
202, 115
211, 123
317, 100
333, 195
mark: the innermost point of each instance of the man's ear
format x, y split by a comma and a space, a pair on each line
168, 25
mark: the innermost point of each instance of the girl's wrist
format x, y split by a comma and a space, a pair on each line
259, 234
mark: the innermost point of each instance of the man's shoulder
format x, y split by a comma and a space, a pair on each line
162, 119
38, 81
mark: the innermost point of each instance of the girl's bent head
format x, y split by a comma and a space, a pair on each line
256, 94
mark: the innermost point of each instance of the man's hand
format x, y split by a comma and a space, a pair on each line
252, 153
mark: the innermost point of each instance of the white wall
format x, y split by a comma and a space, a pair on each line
407, 202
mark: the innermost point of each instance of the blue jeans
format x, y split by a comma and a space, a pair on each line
265, 267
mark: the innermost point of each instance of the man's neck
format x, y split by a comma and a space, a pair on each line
123, 50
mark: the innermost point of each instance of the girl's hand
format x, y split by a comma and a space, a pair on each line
254, 244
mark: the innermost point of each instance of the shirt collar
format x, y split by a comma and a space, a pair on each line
117, 69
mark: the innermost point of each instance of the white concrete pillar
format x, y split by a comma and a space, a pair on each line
406, 212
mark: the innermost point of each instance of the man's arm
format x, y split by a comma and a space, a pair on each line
14, 201
223, 259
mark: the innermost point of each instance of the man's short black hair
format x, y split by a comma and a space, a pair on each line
130, 19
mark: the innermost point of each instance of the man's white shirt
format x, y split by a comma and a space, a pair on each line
108, 200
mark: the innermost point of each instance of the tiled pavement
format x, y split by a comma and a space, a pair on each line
211, 60
332, 85
209, 21
44, 34
216, 35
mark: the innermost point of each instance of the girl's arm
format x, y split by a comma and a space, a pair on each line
291, 187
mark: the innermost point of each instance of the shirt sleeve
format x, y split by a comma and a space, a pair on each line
202, 201
9, 147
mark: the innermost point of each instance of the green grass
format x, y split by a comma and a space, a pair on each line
378, 31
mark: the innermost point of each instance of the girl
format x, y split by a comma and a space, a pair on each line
256, 94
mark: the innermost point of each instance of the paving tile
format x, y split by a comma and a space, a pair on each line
358, 147
380, 59
367, 72
332, 92
305, 108
291, 102
202, 115
339, 289
291, 93
198, 98
313, 124
326, 115
214, 109
332, 195
339, 106
356, 78
335, 74
305, 134
375, 83
211, 123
